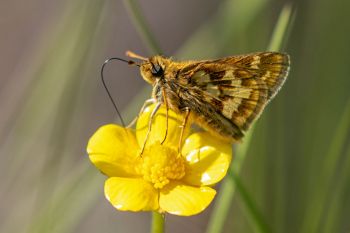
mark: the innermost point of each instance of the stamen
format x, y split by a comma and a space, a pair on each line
161, 164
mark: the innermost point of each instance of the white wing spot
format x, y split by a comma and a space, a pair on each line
230, 106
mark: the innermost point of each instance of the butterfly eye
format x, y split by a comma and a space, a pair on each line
157, 70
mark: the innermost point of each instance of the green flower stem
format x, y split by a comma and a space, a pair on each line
227, 189
144, 31
158, 220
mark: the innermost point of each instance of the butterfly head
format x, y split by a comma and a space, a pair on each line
154, 68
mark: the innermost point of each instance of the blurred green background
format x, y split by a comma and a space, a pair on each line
296, 169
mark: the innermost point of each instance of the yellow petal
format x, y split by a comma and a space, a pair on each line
208, 159
184, 200
113, 150
158, 130
131, 194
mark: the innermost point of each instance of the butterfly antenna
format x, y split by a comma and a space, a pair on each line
106, 88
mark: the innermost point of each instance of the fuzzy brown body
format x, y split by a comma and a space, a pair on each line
225, 95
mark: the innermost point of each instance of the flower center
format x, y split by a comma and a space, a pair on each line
161, 164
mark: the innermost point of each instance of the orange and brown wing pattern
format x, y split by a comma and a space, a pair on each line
237, 87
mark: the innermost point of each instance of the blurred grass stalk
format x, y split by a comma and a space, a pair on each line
323, 205
47, 114
332, 209
229, 185
53, 202
141, 26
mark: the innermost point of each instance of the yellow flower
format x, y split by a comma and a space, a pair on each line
160, 179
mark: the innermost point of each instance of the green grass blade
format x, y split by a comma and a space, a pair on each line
333, 214
143, 29
221, 35
253, 213
77, 194
282, 28
322, 186
46, 122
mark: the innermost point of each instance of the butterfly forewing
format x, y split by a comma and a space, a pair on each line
239, 87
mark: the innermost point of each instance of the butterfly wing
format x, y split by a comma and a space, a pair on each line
235, 89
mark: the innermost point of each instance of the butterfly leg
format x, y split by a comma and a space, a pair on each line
166, 115
183, 127
145, 104
150, 125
